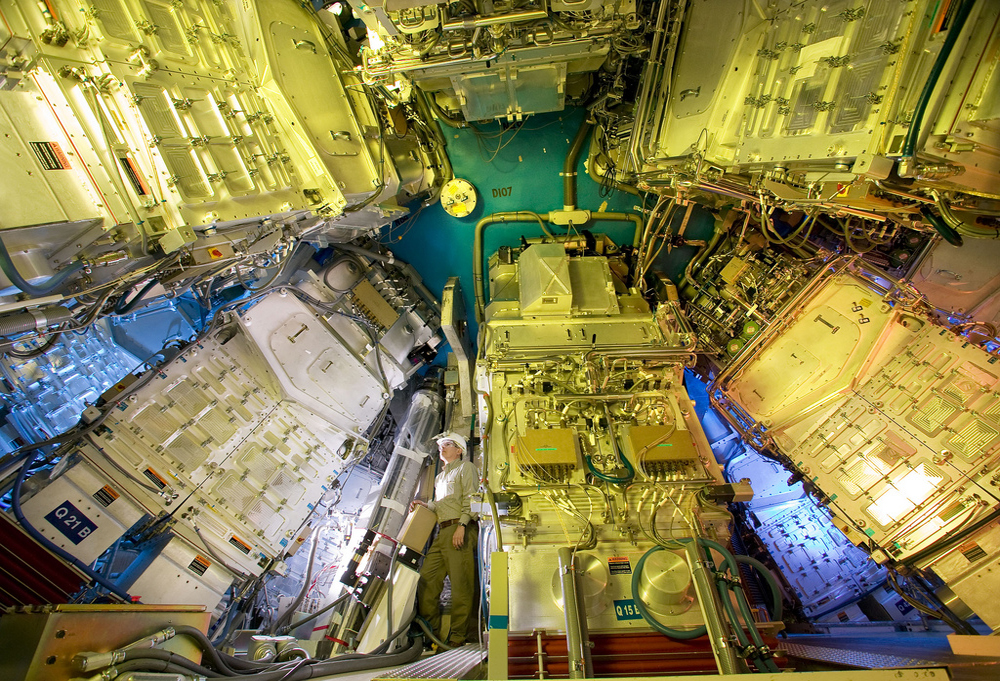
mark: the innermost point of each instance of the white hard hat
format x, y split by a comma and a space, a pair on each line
452, 436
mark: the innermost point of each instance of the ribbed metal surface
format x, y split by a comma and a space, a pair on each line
30, 575
459, 663
854, 658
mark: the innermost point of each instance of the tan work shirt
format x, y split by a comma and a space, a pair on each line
453, 490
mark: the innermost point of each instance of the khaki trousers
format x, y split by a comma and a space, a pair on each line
442, 560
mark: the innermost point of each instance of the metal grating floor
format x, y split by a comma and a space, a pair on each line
854, 658
460, 663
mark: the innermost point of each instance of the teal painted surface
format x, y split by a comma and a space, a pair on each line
528, 160
530, 163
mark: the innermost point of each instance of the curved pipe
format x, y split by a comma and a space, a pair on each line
622, 217
569, 166
620, 186
53, 284
440, 113
426, 628
941, 227
440, 149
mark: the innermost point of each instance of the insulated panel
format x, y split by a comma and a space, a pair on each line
819, 563
180, 573
318, 366
214, 126
215, 425
907, 440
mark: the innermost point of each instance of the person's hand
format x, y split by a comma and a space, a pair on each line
417, 502
459, 537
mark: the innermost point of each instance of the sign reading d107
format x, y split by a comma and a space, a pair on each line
68, 519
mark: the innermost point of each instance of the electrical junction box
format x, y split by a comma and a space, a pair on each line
737, 492
177, 238
733, 269
548, 448
417, 528
660, 443
543, 271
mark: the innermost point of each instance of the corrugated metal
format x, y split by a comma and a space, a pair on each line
30, 575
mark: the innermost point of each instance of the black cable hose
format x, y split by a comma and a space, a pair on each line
124, 306
952, 538
340, 665
35, 352
957, 23
53, 284
160, 655
219, 660
232, 666
150, 665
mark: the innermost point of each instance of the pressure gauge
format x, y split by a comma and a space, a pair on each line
458, 197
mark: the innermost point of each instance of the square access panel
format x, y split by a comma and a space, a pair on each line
511, 91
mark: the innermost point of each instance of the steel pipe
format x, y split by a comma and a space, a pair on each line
725, 656
644, 97
480, 22
571, 611
569, 167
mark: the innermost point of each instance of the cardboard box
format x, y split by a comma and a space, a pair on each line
417, 528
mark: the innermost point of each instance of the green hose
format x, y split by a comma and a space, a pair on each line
614, 480
957, 22
677, 634
731, 563
777, 608
942, 227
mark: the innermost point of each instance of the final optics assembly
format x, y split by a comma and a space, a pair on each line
771, 408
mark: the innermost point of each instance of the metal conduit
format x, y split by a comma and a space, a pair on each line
571, 611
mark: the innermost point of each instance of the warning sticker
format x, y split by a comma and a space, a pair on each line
619, 565
50, 155
106, 495
215, 253
972, 551
199, 565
